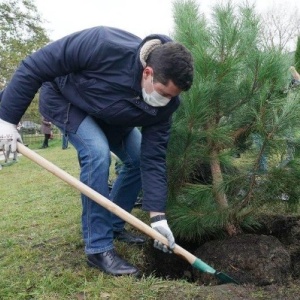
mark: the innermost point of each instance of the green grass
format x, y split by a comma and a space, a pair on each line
42, 253
41, 249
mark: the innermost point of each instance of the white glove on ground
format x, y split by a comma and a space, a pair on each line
9, 136
163, 228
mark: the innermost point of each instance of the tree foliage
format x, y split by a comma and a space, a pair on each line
21, 33
238, 89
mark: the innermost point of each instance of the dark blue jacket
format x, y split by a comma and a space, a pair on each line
97, 72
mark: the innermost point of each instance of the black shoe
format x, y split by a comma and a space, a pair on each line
111, 263
129, 238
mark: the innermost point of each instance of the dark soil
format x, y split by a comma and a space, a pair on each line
266, 263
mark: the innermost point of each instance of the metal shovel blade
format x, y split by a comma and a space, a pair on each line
224, 278
204, 267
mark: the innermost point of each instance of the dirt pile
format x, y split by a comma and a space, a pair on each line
269, 256
248, 258
266, 263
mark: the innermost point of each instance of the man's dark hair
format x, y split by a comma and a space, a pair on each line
172, 61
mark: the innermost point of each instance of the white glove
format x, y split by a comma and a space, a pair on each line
163, 228
9, 136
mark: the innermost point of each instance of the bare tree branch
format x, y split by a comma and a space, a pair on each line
280, 27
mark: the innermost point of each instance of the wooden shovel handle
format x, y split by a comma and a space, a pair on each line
101, 200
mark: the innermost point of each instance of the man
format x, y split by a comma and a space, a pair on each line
98, 86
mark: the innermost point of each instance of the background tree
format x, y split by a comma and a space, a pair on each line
280, 27
238, 89
21, 33
296, 62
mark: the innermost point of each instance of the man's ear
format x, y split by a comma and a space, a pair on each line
148, 71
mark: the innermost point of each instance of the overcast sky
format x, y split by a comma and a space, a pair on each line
141, 17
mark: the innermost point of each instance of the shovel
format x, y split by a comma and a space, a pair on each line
127, 217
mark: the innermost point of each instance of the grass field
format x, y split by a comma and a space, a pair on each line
41, 249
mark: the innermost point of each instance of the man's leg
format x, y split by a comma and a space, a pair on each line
128, 183
94, 157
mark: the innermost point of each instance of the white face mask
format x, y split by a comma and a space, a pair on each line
155, 99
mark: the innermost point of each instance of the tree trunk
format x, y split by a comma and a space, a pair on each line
218, 188
217, 177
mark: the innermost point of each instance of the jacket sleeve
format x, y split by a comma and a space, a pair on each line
69, 54
153, 166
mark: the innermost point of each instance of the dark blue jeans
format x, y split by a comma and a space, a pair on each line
94, 156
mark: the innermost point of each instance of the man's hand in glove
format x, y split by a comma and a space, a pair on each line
9, 136
160, 224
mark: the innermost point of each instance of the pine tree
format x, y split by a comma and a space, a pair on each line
238, 88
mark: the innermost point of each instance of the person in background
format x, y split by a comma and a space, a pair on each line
46, 129
295, 77
64, 141
108, 90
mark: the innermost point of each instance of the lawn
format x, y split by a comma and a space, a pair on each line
41, 249
42, 252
